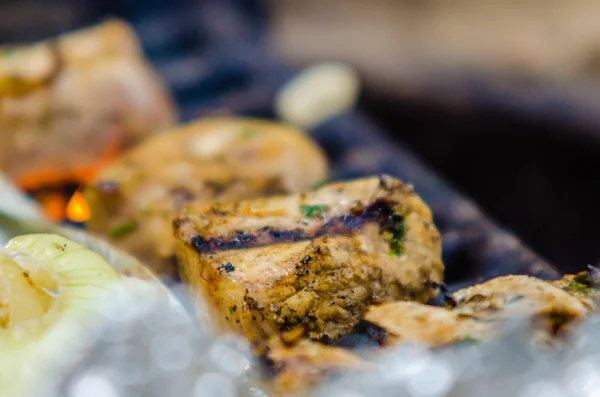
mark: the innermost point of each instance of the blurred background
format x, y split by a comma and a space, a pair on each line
500, 97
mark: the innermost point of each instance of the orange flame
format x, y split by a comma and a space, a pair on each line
78, 209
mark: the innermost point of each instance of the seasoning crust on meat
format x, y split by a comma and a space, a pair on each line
317, 259
480, 309
135, 199
299, 364
413, 322
551, 309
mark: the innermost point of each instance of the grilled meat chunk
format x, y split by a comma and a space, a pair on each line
135, 199
70, 103
412, 322
316, 259
300, 364
551, 309
479, 310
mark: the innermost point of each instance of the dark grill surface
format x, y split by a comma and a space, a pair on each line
213, 55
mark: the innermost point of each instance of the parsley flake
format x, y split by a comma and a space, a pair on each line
123, 229
248, 133
313, 211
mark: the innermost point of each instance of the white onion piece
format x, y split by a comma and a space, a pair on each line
83, 283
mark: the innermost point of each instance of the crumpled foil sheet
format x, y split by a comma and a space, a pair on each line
14, 201
149, 349
510, 365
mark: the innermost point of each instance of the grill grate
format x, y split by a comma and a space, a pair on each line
215, 58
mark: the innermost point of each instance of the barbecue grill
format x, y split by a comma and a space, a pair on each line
214, 56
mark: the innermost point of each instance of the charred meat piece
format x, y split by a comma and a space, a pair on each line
135, 199
69, 104
317, 259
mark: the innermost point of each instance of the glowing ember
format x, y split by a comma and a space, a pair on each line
54, 205
78, 209
53, 187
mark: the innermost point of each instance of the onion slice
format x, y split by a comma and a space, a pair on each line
59, 288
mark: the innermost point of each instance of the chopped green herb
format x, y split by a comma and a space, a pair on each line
582, 278
312, 211
584, 281
319, 185
448, 305
147, 212
577, 286
123, 229
8, 53
397, 230
248, 133
232, 309
468, 339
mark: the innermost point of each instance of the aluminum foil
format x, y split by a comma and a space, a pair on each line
162, 352
154, 349
508, 366
16, 203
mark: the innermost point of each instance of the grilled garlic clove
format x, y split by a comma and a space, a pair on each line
318, 94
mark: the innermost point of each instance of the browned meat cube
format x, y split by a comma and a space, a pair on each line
70, 103
316, 259
412, 322
135, 199
300, 364
479, 311
553, 311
